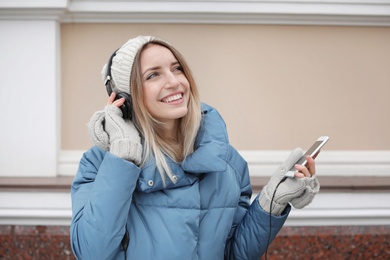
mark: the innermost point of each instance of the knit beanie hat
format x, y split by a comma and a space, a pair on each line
122, 63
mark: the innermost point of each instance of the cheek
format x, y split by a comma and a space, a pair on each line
150, 92
151, 101
185, 82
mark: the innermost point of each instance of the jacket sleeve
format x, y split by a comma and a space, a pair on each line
249, 235
101, 196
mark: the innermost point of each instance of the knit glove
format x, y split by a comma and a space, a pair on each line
297, 191
110, 131
96, 130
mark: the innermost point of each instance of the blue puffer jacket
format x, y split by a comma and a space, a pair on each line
207, 214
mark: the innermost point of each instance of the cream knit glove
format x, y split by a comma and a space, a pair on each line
297, 191
110, 131
96, 130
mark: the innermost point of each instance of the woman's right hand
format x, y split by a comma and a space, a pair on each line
124, 139
111, 100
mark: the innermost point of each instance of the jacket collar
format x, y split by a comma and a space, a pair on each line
210, 155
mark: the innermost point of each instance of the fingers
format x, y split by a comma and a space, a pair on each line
311, 165
303, 171
111, 100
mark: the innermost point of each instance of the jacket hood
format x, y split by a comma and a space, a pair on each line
210, 155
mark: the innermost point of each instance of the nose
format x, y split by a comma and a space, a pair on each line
171, 80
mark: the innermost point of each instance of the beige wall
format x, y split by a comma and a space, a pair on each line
276, 86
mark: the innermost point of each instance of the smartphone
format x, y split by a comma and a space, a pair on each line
313, 150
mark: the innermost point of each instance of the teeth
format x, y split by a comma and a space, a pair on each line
173, 98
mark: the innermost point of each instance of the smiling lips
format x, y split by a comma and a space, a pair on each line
172, 98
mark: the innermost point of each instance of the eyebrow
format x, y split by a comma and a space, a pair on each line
158, 67
150, 69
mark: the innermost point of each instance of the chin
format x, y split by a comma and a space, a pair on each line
182, 112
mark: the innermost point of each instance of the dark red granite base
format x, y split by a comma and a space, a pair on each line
341, 242
35, 242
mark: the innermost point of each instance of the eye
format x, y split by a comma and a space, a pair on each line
178, 68
151, 75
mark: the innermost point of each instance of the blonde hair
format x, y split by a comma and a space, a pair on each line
155, 146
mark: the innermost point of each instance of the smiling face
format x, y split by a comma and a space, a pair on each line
166, 88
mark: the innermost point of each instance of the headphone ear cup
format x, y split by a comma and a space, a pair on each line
127, 107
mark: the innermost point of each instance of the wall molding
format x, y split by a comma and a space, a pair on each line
35, 208
330, 163
290, 12
263, 163
343, 209
327, 209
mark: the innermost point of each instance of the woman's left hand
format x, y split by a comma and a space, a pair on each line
299, 191
308, 170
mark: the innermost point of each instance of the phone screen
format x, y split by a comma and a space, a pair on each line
311, 152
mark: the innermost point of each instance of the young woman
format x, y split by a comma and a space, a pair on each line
167, 184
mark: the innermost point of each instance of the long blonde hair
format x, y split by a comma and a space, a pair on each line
154, 145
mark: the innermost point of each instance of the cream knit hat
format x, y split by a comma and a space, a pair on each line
122, 63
